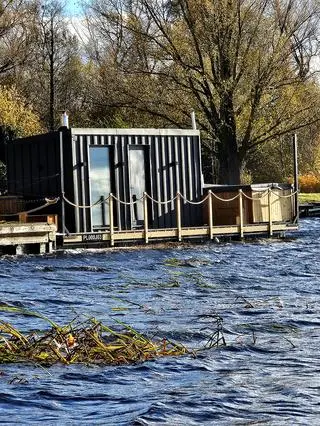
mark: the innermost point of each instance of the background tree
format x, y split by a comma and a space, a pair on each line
242, 65
14, 37
17, 119
52, 78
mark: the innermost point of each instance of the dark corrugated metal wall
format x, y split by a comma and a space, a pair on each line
33, 166
173, 162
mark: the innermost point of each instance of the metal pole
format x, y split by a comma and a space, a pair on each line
193, 120
63, 224
296, 176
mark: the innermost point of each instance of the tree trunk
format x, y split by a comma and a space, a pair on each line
228, 153
229, 162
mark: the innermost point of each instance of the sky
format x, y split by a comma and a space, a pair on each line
72, 8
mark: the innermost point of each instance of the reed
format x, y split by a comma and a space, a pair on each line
89, 342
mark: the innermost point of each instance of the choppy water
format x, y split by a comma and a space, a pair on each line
267, 293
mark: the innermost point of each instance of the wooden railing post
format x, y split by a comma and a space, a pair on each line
270, 212
241, 212
145, 217
210, 221
111, 220
178, 202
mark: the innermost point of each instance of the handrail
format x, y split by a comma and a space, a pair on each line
262, 194
161, 202
97, 203
180, 200
49, 202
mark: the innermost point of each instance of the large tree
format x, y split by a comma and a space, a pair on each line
14, 36
51, 78
242, 65
17, 119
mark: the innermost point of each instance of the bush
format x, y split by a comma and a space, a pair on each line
309, 183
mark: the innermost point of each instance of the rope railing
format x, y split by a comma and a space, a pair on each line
126, 203
225, 199
162, 202
284, 196
195, 203
180, 201
49, 202
261, 195
97, 203
106, 200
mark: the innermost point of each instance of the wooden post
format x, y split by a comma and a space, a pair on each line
111, 220
178, 201
210, 214
42, 248
270, 212
20, 249
145, 215
241, 212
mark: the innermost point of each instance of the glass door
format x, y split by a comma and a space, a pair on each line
137, 179
100, 185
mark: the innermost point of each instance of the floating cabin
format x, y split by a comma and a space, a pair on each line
111, 186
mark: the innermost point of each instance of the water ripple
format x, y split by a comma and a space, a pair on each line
266, 292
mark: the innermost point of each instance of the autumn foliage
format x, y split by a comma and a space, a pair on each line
16, 114
308, 183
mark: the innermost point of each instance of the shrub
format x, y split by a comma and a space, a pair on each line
309, 183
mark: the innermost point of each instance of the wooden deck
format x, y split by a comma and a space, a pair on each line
20, 238
272, 215
112, 238
309, 209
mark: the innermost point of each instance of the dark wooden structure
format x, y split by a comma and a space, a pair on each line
83, 166
106, 187
258, 202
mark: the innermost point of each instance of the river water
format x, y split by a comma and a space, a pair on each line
267, 292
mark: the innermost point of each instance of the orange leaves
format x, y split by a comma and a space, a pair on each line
16, 114
309, 183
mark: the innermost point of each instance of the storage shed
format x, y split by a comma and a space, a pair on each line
83, 166
257, 202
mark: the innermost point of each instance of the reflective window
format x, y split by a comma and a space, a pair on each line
137, 178
100, 184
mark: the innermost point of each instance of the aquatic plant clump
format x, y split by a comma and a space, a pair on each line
90, 342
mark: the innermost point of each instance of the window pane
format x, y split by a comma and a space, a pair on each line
137, 183
100, 184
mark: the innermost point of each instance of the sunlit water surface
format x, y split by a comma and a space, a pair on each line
267, 293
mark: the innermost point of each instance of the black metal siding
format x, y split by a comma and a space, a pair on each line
174, 165
33, 166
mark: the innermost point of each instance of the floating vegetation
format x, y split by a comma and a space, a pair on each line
89, 342
275, 302
192, 263
216, 338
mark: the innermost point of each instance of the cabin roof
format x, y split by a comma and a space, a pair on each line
134, 131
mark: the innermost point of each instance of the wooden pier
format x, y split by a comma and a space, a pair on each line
309, 209
116, 238
20, 238
235, 214
272, 215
